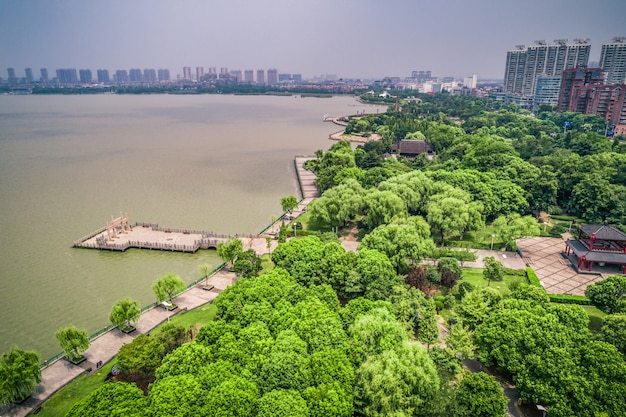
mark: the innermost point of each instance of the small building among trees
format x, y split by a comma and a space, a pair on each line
411, 148
599, 244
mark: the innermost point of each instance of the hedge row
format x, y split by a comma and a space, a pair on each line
532, 277
570, 299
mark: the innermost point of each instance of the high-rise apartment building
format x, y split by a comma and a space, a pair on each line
572, 80
470, 82
609, 102
44, 75
11, 76
199, 73
547, 90
134, 75
260, 76
149, 75
85, 76
67, 76
164, 74
103, 76
613, 61
526, 63
248, 76
187, 73
272, 76
29, 75
121, 76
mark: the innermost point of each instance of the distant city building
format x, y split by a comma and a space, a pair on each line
85, 76
213, 71
224, 71
613, 61
260, 76
526, 63
284, 77
149, 75
248, 76
29, 75
11, 76
236, 75
199, 73
272, 76
163, 74
609, 102
103, 76
422, 76
547, 90
571, 81
134, 75
67, 76
297, 78
187, 73
470, 82
44, 75
121, 76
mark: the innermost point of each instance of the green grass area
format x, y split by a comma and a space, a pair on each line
77, 390
596, 318
479, 239
475, 277
266, 263
193, 319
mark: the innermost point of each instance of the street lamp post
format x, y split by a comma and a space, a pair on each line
492, 237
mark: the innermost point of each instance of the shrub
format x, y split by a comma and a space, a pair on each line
532, 277
570, 299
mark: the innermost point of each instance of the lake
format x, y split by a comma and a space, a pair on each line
68, 164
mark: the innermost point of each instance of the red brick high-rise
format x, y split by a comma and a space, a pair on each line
570, 97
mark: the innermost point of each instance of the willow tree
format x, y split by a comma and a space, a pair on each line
125, 314
167, 287
73, 341
19, 375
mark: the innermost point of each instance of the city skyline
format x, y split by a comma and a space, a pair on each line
350, 39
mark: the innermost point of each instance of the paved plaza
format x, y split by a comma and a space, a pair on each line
556, 273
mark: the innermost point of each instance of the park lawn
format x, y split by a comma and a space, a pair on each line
266, 263
479, 239
596, 318
77, 390
193, 319
475, 277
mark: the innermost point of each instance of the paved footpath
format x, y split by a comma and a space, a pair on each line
105, 347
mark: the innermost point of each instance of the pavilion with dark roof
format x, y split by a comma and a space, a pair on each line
412, 147
600, 244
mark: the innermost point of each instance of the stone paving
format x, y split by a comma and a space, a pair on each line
555, 272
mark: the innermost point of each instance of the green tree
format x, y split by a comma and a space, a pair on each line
493, 270
232, 397
228, 251
125, 314
329, 400
248, 264
609, 295
73, 341
614, 331
479, 394
514, 226
282, 403
142, 356
187, 359
205, 270
381, 207
375, 332
19, 375
408, 387
288, 204
177, 396
114, 399
166, 287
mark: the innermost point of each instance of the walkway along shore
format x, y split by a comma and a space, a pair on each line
58, 373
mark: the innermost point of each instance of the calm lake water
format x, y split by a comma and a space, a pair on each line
70, 163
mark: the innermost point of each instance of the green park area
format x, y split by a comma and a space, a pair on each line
308, 329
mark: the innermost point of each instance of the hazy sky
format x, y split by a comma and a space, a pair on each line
349, 38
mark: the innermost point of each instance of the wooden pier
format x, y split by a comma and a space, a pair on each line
150, 236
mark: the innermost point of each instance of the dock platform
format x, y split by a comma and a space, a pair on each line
151, 236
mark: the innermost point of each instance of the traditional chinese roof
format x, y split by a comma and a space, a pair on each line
581, 250
413, 147
603, 232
